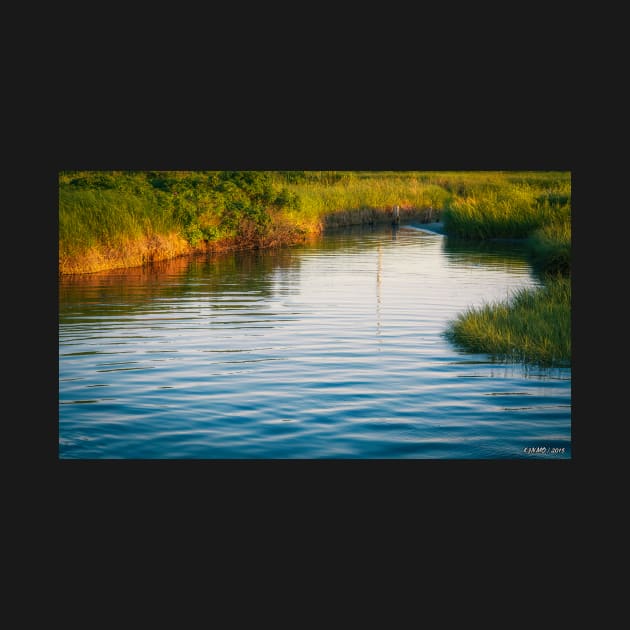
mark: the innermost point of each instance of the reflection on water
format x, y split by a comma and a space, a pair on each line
330, 349
475, 253
247, 271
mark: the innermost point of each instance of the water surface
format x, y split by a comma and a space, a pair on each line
328, 350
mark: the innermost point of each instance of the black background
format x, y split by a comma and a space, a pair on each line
456, 115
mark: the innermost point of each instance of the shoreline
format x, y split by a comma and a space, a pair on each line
434, 227
155, 254
148, 251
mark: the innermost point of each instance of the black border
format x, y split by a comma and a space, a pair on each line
394, 134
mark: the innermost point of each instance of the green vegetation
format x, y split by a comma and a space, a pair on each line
111, 219
534, 326
550, 248
122, 218
508, 209
363, 198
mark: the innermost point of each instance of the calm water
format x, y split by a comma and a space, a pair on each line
328, 350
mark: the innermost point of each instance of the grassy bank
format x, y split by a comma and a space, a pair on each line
110, 219
534, 326
509, 208
365, 198
103, 229
119, 219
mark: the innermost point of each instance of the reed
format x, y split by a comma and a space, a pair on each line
106, 228
506, 211
364, 198
550, 248
104, 212
533, 326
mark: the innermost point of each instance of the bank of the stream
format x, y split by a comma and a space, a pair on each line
113, 219
532, 326
117, 219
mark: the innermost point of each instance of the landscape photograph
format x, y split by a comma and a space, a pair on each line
314, 315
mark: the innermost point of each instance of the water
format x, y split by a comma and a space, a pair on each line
327, 350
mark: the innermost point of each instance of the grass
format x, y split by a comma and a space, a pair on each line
363, 199
550, 248
115, 218
534, 326
87, 217
110, 219
104, 229
508, 209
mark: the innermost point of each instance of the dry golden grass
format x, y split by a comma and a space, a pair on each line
126, 253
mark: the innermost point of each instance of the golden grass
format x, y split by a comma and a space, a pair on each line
130, 252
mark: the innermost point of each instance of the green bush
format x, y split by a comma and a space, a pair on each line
287, 199
98, 181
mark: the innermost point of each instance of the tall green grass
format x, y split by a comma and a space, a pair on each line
89, 218
506, 211
473, 204
124, 218
550, 248
534, 326
106, 209
355, 193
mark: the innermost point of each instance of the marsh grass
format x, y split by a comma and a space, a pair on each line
533, 326
103, 214
364, 193
550, 248
87, 217
108, 228
509, 211
475, 205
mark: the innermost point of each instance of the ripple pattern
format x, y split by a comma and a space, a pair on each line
328, 350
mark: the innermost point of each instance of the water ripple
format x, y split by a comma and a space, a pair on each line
332, 349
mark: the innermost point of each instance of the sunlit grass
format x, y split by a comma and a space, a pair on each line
104, 212
508, 211
91, 216
101, 229
534, 326
320, 200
